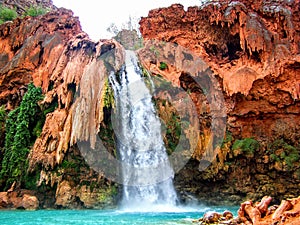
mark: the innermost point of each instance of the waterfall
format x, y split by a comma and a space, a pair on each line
147, 175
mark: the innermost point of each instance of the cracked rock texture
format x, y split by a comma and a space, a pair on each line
52, 52
253, 50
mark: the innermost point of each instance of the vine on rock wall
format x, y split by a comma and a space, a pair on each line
20, 126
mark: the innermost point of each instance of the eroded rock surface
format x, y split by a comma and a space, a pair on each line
259, 213
252, 48
52, 52
19, 200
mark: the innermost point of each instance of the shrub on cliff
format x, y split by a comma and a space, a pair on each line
7, 14
247, 145
35, 11
283, 152
19, 137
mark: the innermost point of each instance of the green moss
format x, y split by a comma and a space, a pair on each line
247, 145
2, 114
68, 164
109, 99
163, 66
51, 108
282, 151
31, 180
274, 157
107, 194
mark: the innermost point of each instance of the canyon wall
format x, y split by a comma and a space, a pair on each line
252, 49
228, 93
53, 53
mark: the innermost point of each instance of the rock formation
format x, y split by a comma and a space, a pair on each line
18, 200
260, 213
252, 49
52, 52
235, 63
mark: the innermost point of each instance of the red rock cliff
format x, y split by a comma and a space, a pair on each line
253, 49
52, 52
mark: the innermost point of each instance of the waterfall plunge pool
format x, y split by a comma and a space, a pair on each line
107, 217
147, 199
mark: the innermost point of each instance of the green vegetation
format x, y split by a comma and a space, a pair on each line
2, 114
109, 100
35, 11
20, 135
173, 124
7, 14
282, 151
228, 138
173, 132
2, 120
247, 145
105, 195
163, 66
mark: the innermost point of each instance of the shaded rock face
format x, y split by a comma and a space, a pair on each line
52, 52
252, 48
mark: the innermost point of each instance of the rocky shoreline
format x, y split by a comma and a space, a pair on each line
259, 213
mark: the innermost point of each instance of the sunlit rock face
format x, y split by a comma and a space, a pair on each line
252, 48
52, 52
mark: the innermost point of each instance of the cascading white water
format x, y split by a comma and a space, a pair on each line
146, 172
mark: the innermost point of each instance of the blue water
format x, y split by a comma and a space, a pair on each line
114, 217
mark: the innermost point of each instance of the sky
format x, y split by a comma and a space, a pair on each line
96, 16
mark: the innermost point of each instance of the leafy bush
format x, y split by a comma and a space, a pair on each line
7, 14
282, 151
247, 145
19, 136
35, 11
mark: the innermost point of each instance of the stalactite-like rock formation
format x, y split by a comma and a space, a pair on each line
252, 48
52, 52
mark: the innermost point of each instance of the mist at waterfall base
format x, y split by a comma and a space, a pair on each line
148, 194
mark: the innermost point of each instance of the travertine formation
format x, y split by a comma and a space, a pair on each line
249, 49
252, 48
52, 52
